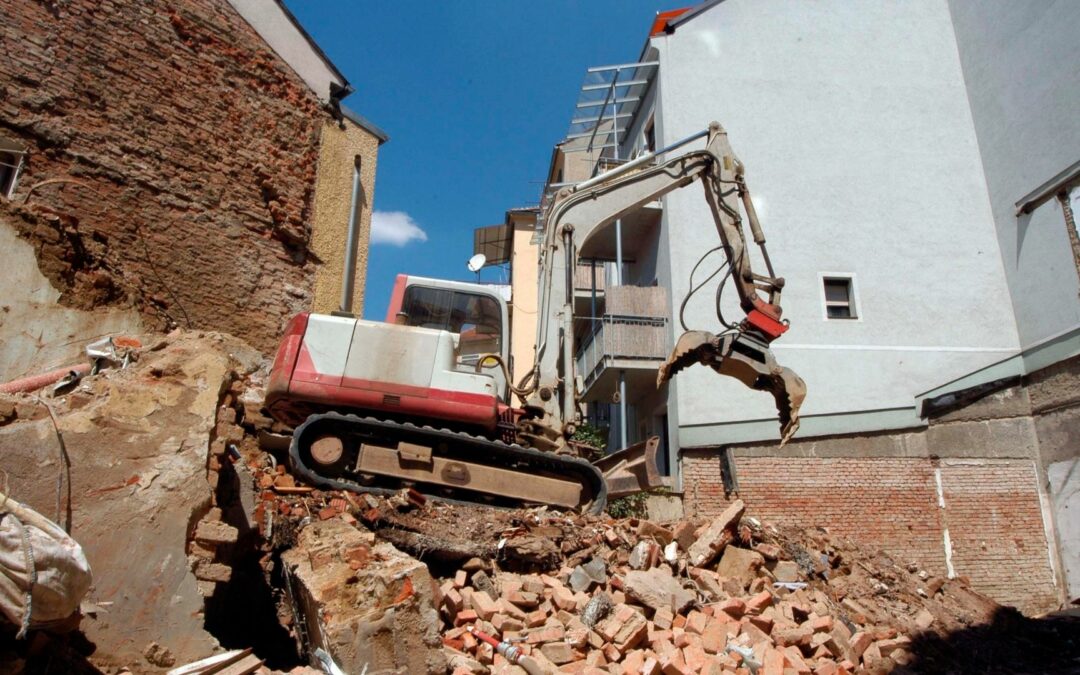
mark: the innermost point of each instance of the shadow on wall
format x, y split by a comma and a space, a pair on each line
1010, 643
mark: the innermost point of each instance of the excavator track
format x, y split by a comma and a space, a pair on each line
366, 454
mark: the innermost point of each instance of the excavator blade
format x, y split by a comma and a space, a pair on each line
631, 470
746, 359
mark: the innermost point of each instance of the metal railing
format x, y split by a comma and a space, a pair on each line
626, 338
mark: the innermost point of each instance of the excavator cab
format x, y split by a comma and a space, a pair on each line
478, 319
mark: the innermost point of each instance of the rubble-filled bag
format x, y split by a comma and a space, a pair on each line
56, 568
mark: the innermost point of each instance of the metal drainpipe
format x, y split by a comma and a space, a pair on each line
351, 241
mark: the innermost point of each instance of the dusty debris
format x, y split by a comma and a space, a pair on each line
366, 604
718, 535
127, 475
159, 656
399, 580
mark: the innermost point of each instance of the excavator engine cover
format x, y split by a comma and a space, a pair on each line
748, 360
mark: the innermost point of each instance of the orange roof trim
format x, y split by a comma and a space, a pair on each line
660, 24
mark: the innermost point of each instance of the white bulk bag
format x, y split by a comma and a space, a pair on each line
56, 569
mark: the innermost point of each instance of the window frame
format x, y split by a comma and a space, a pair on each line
10, 149
853, 303
466, 358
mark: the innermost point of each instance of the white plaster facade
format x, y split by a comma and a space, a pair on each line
887, 142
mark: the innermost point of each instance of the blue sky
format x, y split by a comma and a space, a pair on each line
473, 95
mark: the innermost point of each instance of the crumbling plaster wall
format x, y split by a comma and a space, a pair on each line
968, 492
1055, 404
341, 143
186, 153
37, 334
129, 479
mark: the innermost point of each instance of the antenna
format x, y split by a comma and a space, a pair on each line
476, 263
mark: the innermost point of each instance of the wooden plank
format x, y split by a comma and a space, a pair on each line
487, 479
249, 664
211, 664
292, 489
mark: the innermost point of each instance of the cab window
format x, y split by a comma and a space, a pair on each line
476, 318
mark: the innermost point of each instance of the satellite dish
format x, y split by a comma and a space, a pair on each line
476, 262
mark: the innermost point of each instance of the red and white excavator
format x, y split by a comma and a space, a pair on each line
425, 398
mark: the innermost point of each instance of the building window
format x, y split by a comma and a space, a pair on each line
10, 163
650, 135
11, 159
839, 298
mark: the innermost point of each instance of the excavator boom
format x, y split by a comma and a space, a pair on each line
578, 213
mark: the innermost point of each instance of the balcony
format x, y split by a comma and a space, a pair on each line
585, 276
588, 273
632, 337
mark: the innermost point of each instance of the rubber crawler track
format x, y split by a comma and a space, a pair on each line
463, 446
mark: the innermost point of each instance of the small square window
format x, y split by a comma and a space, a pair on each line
839, 298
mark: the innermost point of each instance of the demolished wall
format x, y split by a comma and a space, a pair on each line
167, 149
1055, 404
968, 495
125, 470
592, 595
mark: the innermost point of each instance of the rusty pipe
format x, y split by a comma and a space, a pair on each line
511, 653
35, 382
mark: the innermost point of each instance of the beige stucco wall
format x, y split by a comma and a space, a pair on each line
524, 274
340, 143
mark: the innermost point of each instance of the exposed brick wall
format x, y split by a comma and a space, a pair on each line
874, 500
992, 511
996, 529
193, 148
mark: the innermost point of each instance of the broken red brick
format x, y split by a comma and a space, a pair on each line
759, 602
465, 616
548, 633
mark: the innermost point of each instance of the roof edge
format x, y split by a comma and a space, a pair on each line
364, 123
674, 23
346, 87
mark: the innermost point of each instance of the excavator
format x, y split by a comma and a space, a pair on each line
424, 398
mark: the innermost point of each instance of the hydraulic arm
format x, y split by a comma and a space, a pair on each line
577, 214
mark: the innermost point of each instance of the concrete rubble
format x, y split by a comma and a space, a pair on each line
206, 549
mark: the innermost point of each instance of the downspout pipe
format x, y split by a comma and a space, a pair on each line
348, 276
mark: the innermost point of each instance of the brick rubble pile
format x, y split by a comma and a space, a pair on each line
651, 599
585, 594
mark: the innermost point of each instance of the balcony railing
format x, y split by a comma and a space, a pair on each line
642, 302
633, 339
586, 272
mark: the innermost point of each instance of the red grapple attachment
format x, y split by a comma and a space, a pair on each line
748, 360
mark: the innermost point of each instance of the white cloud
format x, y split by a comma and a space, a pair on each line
396, 228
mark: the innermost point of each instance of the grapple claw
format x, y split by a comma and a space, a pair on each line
694, 346
748, 360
